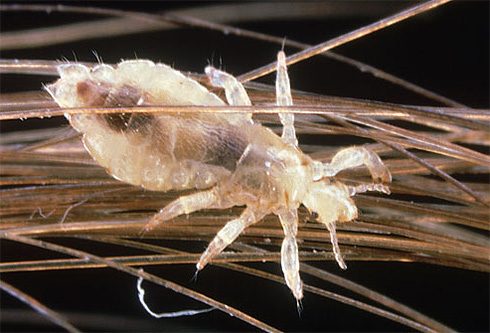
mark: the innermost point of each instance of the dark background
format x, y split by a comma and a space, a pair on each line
445, 50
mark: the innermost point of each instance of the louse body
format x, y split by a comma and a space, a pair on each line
229, 158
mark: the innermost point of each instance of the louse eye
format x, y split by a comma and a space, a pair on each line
314, 215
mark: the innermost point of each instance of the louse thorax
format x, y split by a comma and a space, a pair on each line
330, 200
271, 173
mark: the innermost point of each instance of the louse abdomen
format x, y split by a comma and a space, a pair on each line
156, 151
161, 152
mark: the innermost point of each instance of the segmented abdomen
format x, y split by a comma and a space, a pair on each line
157, 151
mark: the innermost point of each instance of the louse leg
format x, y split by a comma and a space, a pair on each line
353, 190
289, 252
234, 90
356, 156
228, 234
335, 244
186, 205
284, 98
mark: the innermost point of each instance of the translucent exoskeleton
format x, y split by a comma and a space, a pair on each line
229, 158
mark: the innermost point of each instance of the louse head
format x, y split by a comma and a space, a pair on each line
330, 202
